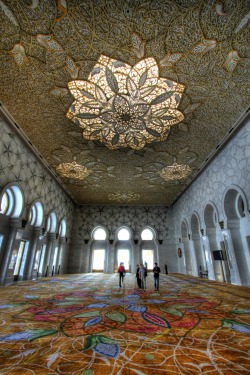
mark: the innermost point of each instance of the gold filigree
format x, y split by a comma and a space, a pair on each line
124, 106
175, 172
123, 197
73, 170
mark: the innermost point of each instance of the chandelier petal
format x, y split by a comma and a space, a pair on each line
145, 73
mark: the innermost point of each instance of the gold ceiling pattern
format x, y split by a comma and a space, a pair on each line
195, 50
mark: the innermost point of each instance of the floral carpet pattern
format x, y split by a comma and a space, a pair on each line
86, 325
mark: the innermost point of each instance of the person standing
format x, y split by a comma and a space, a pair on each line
156, 272
122, 272
138, 276
142, 276
166, 269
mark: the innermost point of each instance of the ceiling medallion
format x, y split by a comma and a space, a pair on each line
73, 170
175, 172
124, 197
124, 106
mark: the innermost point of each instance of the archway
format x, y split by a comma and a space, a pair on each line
237, 241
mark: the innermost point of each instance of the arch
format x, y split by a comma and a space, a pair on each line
198, 246
234, 203
184, 229
124, 234
51, 222
237, 239
213, 243
36, 214
195, 223
148, 234
99, 233
211, 215
98, 249
62, 228
12, 199
148, 248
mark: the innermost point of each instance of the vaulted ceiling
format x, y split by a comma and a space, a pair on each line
77, 76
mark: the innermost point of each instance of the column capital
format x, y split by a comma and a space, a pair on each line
51, 236
15, 222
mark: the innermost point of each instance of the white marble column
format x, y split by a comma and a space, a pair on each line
49, 247
14, 225
31, 255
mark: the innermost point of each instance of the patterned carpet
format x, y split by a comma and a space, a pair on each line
86, 325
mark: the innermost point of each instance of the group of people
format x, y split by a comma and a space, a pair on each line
141, 275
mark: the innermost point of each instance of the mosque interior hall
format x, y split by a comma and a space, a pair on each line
124, 138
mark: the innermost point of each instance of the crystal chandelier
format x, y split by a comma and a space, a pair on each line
73, 170
124, 197
124, 106
175, 172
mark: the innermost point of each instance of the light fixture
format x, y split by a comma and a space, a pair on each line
123, 197
73, 170
175, 172
124, 106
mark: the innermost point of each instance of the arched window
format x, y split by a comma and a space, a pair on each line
11, 201
123, 234
4, 203
147, 235
62, 228
36, 214
99, 234
148, 249
98, 250
51, 223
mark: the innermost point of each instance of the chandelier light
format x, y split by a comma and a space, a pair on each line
123, 197
124, 106
175, 172
73, 171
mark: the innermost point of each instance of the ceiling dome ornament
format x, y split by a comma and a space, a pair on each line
123, 197
124, 106
73, 170
175, 172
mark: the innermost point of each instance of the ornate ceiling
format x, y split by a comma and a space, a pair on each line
49, 56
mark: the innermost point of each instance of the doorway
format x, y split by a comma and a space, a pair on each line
98, 260
148, 257
16, 260
123, 256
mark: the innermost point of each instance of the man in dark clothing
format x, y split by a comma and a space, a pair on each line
156, 272
138, 275
166, 269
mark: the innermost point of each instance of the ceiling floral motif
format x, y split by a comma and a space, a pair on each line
73, 170
123, 106
91, 173
123, 197
146, 83
175, 172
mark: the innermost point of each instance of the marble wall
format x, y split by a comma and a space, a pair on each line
230, 168
87, 218
19, 164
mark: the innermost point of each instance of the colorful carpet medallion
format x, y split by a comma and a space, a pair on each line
87, 325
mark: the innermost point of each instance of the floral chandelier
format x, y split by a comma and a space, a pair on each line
124, 106
175, 172
124, 197
73, 170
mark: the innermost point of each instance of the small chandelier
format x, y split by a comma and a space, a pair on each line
73, 170
123, 197
175, 172
124, 106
